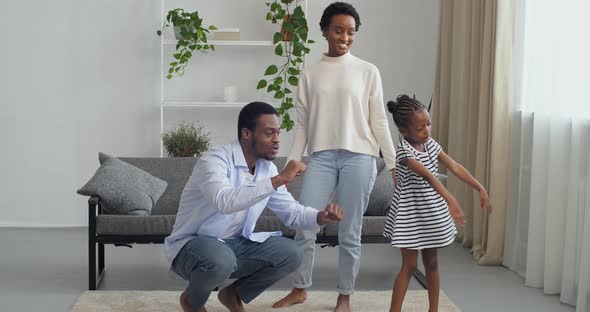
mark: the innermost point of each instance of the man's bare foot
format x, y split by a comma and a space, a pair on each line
186, 307
342, 303
297, 295
230, 299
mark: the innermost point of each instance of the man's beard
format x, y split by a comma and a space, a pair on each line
254, 146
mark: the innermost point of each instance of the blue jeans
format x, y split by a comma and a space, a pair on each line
207, 262
351, 176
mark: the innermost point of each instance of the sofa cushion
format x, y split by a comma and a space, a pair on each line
123, 188
134, 225
380, 198
273, 223
371, 226
174, 170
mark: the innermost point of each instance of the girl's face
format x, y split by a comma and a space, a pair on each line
340, 34
418, 131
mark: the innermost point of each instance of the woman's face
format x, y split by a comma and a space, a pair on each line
340, 34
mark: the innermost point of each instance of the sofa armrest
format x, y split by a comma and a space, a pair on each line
93, 200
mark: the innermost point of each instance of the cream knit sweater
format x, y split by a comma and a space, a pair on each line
340, 106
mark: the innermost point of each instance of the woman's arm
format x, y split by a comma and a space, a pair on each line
460, 172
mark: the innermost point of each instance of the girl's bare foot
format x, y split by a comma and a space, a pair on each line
186, 307
230, 299
342, 303
297, 295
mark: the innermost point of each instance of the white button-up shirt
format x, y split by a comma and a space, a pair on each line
221, 187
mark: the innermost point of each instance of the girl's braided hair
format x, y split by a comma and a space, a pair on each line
402, 109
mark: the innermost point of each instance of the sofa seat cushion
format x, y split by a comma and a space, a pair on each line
273, 223
372, 225
134, 225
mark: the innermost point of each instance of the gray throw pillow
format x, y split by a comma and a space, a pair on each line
123, 188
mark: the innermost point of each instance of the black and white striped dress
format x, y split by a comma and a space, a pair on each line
418, 217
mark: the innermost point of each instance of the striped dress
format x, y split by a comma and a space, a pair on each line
418, 217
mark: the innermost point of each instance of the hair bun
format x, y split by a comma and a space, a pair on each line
391, 106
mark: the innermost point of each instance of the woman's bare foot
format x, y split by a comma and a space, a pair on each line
186, 307
230, 299
297, 295
342, 303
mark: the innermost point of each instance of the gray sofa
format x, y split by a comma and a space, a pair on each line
125, 230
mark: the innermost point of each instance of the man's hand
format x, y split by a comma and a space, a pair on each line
332, 214
294, 168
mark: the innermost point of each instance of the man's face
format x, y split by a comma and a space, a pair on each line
265, 139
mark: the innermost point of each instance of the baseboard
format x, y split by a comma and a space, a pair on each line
39, 225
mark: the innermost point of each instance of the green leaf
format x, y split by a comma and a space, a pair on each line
279, 50
171, 70
177, 56
279, 94
213, 47
298, 12
277, 37
288, 91
271, 70
293, 80
268, 16
288, 26
174, 64
169, 76
261, 84
212, 27
278, 81
293, 71
310, 41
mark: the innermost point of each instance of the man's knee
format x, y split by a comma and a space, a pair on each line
292, 255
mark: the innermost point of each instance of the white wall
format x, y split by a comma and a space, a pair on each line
88, 81
78, 77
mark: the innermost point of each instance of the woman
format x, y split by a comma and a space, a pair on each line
341, 119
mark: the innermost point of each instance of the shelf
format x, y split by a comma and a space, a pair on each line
209, 104
228, 43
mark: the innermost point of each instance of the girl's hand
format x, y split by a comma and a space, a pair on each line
484, 201
456, 211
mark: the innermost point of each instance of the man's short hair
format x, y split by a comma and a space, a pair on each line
250, 113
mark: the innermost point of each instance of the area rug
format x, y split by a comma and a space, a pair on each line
167, 301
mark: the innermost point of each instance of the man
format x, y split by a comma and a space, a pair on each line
213, 237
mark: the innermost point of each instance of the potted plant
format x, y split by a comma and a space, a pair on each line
186, 140
191, 35
292, 44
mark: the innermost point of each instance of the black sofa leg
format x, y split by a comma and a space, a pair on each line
420, 278
100, 258
91, 263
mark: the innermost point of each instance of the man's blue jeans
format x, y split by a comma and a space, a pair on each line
207, 262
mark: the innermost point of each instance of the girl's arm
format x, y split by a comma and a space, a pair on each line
422, 171
462, 173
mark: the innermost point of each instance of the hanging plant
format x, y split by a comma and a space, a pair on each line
192, 36
292, 44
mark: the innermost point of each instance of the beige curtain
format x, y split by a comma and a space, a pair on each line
471, 113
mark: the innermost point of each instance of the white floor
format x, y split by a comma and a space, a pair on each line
46, 270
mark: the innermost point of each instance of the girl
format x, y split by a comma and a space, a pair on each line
421, 208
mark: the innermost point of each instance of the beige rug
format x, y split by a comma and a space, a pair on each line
167, 301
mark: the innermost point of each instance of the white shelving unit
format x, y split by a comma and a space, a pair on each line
167, 45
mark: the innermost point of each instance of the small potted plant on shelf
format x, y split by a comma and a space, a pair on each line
186, 140
191, 35
292, 44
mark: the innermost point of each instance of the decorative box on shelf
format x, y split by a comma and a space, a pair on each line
226, 34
